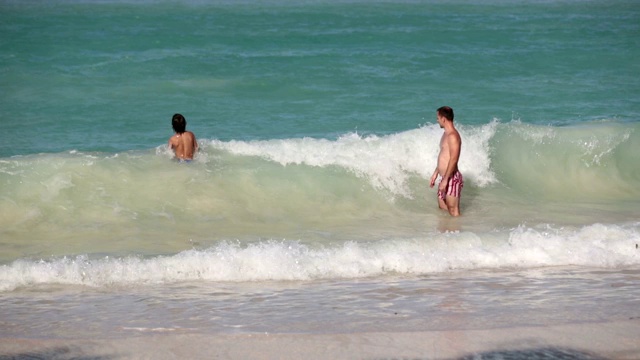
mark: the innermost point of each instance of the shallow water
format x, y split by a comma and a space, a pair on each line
455, 301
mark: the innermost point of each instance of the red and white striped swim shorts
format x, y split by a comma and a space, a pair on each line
454, 188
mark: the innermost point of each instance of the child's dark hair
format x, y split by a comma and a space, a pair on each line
179, 123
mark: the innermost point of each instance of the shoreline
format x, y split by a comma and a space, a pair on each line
604, 340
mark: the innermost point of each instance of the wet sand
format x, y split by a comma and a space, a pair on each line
551, 313
605, 340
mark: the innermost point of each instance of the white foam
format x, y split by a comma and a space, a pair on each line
386, 161
598, 245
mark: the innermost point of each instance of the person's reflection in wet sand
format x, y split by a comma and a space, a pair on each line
449, 224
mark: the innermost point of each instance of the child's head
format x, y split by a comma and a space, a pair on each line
179, 123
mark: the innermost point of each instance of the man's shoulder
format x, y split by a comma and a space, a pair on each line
452, 132
454, 135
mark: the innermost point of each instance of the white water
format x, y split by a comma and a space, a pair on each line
603, 246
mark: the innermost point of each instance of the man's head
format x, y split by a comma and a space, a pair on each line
444, 113
179, 123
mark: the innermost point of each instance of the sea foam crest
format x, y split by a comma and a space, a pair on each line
598, 245
386, 161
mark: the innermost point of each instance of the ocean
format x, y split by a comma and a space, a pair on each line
308, 208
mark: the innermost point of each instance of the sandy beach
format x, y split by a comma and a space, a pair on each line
607, 340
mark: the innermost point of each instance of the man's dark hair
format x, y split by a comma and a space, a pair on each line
179, 123
446, 112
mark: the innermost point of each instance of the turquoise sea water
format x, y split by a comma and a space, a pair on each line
106, 76
316, 122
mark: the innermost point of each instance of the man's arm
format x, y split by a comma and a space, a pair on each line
434, 177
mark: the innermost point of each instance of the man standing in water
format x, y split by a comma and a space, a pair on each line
450, 187
183, 143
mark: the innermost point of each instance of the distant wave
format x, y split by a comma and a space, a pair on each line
588, 161
583, 163
594, 159
386, 161
585, 159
